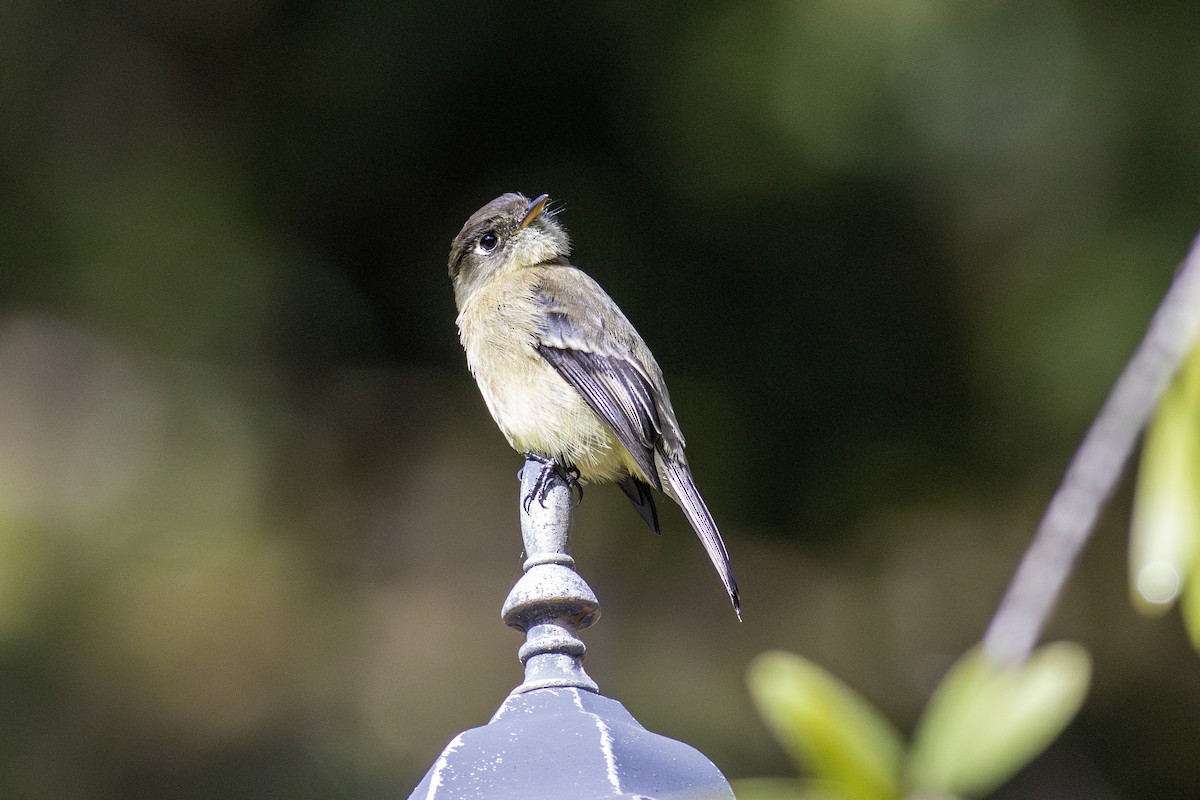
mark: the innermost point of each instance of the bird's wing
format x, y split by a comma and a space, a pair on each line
592, 346
587, 339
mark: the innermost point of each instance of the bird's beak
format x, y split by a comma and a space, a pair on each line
534, 211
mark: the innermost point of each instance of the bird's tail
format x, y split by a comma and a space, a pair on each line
681, 487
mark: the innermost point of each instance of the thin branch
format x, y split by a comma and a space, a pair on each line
1095, 470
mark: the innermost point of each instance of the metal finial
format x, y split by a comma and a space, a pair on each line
564, 740
551, 603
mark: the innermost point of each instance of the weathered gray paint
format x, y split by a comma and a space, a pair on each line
568, 744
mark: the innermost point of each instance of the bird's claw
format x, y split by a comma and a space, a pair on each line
573, 482
541, 485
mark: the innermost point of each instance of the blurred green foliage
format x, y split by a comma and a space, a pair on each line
1166, 513
255, 525
982, 724
826, 728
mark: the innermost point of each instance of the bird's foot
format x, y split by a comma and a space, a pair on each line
541, 486
573, 482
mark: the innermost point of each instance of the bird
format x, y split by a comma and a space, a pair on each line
568, 380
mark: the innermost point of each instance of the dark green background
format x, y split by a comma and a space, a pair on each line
255, 524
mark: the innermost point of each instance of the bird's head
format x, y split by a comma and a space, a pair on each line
508, 233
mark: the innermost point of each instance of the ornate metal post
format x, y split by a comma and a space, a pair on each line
556, 736
550, 603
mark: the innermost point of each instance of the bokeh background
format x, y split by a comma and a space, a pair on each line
255, 522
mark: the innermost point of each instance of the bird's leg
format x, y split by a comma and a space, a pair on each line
541, 487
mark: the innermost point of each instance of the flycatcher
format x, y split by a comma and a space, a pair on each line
563, 372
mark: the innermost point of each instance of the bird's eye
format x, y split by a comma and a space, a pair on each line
488, 242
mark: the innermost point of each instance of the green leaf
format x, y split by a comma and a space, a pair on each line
1166, 511
1191, 606
785, 789
827, 728
984, 722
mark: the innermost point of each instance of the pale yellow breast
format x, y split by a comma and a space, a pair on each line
535, 408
